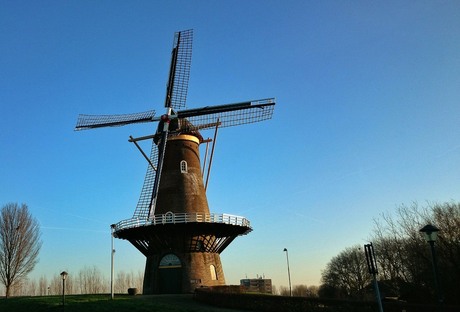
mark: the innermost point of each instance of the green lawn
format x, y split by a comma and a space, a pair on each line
103, 303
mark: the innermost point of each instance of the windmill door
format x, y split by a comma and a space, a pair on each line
170, 275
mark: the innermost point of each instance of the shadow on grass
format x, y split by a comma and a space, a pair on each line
103, 303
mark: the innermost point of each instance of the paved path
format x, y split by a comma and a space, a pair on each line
187, 301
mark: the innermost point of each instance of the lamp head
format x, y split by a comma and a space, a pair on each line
431, 232
64, 275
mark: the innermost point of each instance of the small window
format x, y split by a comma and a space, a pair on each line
170, 261
168, 217
183, 166
212, 268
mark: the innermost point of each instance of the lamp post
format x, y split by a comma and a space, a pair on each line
372, 266
63, 276
289, 273
431, 234
112, 254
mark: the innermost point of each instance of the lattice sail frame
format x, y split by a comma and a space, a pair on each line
229, 115
145, 199
183, 42
85, 122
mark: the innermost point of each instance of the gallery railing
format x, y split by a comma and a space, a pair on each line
176, 218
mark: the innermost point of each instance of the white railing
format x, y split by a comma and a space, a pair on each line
177, 218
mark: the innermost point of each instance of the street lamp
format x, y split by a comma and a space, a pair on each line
372, 266
112, 233
289, 273
63, 276
431, 234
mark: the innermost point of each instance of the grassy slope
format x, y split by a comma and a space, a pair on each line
102, 303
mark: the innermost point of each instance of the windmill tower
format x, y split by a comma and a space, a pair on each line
172, 224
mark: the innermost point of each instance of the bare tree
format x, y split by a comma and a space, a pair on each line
92, 281
120, 283
19, 244
302, 291
124, 280
32, 288
139, 280
312, 291
346, 275
69, 284
299, 290
284, 291
43, 286
404, 258
27, 287
55, 285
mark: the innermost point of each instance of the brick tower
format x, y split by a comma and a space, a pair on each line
183, 243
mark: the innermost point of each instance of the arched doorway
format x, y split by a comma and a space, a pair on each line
170, 275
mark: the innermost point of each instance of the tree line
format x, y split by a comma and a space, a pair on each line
20, 244
297, 291
404, 259
89, 280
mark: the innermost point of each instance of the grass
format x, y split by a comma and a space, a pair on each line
103, 303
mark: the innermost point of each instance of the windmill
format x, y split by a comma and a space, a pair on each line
172, 224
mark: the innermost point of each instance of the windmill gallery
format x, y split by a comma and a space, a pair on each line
172, 224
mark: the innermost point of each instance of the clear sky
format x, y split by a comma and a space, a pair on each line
367, 118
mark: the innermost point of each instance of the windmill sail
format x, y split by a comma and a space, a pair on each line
179, 73
229, 115
176, 94
98, 121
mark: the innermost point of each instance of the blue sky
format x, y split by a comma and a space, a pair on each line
367, 118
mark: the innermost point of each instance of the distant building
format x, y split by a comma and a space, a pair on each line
259, 285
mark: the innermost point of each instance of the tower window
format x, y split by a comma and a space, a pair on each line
170, 261
183, 166
212, 268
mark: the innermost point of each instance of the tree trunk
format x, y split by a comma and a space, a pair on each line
7, 291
